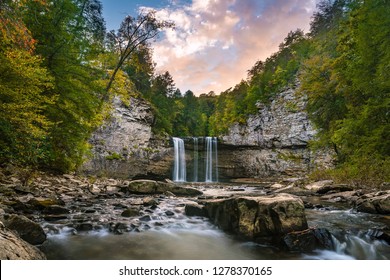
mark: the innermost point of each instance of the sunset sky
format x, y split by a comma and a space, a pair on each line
215, 42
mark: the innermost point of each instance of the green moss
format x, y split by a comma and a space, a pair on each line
114, 156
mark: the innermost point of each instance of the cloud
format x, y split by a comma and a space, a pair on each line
215, 42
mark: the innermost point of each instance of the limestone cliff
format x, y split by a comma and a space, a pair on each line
125, 146
273, 141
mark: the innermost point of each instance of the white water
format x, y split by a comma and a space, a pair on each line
349, 234
177, 236
211, 159
179, 168
196, 159
208, 171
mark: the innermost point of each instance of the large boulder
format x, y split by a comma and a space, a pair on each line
156, 187
309, 240
13, 247
375, 203
26, 229
194, 209
258, 217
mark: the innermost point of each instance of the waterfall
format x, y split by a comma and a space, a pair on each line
196, 159
211, 159
179, 168
204, 163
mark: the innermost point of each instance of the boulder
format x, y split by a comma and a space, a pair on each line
150, 201
130, 212
334, 189
194, 209
156, 187
28, 230
380, 234
13, 247
315, 186
375, 203
258, 217
309, 240
42, 203
55, 210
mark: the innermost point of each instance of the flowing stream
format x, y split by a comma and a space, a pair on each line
167, 233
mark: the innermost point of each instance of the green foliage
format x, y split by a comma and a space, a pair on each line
348, 88
50, 90
58, 73
23, 125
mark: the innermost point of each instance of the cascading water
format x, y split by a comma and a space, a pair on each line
211, 159
196, 159
179, 168
204, 165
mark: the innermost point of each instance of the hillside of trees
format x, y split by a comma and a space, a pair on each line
60, 68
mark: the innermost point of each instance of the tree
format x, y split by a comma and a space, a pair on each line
23, 81
133, 33
140, 69
67, 43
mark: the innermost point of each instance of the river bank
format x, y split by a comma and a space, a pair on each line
73, 217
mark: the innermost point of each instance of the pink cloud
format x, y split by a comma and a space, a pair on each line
215, 42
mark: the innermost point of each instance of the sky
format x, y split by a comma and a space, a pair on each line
215, 42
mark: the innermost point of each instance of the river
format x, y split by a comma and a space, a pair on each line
167, 233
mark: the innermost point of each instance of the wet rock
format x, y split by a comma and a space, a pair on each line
156, 187
194, 209
257, 217
308, 205
84, 227
308, 240
119, 206
19, 206
28, 230
12, 247
52, 218
169, 194
119, 228
334, 189
130, 212
375, 203
169, 213
112, 189
42, 203
150, 201
145, 218
349, 196
21, 189
379, 234
55, 210
318, 185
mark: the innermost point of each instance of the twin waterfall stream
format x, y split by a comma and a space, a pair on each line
203, 169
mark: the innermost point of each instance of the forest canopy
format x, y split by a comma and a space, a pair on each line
60, 68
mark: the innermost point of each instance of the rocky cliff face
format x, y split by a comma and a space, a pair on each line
273, 141
125, 146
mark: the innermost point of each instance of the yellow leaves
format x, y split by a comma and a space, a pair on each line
122, 86
22, 98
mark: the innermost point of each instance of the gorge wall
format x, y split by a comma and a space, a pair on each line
272, 142
125, 146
